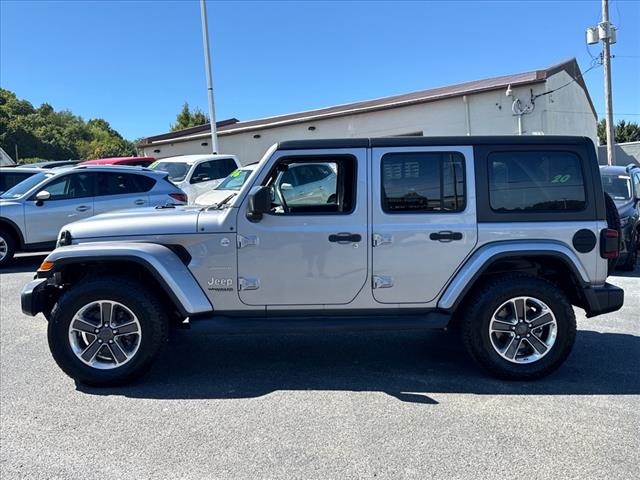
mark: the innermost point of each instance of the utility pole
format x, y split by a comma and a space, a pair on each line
605, 27
606, 33
207, 66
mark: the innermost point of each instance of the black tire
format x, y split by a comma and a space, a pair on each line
487, 299
629, 264
144, 303
613, 222
7, 247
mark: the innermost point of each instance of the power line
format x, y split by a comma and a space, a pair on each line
581, 75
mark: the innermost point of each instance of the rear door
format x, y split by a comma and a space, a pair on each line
71, 200
118, 191
424, 220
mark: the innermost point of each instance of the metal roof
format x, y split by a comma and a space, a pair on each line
423, 96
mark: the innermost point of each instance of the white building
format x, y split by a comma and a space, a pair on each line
553, 101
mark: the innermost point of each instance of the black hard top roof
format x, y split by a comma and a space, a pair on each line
432, 141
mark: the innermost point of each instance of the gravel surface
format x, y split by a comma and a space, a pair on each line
325, 406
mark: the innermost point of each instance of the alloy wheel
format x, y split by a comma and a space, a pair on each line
523, 330
105, 334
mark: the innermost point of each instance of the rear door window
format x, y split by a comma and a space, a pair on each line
421, 182
123, 183
535, 182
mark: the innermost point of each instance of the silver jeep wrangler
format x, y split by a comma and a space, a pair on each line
495, 236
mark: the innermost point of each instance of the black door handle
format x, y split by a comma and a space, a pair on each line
446, 236
345, 237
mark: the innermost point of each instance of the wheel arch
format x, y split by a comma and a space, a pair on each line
14, 230
153, 264
553, 262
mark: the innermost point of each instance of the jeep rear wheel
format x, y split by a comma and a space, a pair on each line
107, 331
519, 327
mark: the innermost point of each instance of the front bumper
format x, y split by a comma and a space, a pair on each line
605, 299
33, 298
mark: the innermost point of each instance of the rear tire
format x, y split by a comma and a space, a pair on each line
7, 247
499, 327
107, 331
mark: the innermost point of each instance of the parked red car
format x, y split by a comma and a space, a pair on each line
131, 161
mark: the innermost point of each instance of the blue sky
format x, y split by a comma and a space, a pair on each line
134, 63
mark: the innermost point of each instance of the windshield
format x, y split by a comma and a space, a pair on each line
235, 180
177, 170
23, 187
618, 186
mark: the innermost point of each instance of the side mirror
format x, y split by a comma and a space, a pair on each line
259, 203
41, 197
286, 186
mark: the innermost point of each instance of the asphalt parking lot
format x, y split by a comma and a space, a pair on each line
326, 406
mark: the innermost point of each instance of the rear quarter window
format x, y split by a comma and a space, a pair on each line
540, 181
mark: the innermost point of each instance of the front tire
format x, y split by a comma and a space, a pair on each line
7, 247
107, 331
519, 327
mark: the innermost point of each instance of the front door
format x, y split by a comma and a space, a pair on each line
311, 249
424, 220
71, 200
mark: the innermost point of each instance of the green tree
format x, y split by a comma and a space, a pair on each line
186, 118
44, 133
623, 132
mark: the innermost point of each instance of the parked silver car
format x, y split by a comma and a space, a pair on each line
32, 212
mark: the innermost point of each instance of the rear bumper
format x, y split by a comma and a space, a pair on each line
33, 297
605, 299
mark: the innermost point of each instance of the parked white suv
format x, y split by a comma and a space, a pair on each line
197, 174
32, 212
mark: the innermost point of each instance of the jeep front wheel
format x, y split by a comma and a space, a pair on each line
107, 331
519, 327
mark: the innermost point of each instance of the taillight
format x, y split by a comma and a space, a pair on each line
609, 243
181, 197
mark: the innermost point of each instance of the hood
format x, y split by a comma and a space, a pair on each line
214, 196
138, 221
8, 202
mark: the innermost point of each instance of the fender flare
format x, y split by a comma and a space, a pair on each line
167, 269
15, 229
477, 264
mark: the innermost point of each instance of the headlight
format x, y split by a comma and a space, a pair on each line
624, 221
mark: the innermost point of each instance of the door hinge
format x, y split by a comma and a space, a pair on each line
380, 239
246, 241
247, 283
382, 281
